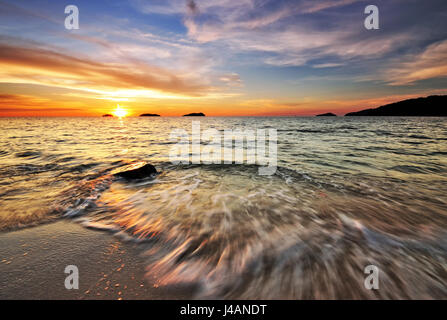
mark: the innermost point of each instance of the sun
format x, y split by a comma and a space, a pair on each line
120, 112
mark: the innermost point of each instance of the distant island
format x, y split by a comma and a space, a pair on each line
149, 115
200, 114
107, 115
329, 114
432, 106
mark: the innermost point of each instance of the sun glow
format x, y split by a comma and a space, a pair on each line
120, 112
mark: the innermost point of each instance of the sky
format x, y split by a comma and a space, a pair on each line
219, 57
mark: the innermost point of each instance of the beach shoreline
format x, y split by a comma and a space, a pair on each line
34, 260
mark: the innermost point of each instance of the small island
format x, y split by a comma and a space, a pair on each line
199, 114
432, 106
149, 115
107, 115
329, 114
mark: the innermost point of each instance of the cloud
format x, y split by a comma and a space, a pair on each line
17, 103
133, 63
320, 34
430, 63
311, 6
291, 33
26, 61
327, 65
11, 100
231, 80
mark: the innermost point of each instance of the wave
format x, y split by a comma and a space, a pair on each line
226, 232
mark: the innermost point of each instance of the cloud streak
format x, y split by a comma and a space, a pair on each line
293, 38
430, 63
43, 66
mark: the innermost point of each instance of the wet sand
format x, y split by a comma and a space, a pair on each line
33, 261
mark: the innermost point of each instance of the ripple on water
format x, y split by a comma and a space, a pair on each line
229, 233
306, 232
28, 154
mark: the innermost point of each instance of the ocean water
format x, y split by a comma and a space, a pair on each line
347, 193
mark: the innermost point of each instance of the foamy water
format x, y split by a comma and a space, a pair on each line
348, 192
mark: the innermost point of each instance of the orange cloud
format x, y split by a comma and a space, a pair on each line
34, 64
431, 63
24, 105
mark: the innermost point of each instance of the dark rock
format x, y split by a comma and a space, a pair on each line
149, 115
432, 106
200, 114
329, 114
107, 115
138, 170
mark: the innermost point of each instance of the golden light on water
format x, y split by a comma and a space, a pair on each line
120, 112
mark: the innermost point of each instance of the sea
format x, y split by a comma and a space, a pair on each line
347, 193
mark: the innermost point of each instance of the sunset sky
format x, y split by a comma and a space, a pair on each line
220, 57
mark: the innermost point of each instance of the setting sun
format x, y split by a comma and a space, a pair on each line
120, 112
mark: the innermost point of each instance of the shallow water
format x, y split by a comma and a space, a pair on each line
347, 193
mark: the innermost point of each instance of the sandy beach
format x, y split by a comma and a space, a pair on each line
33, 262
